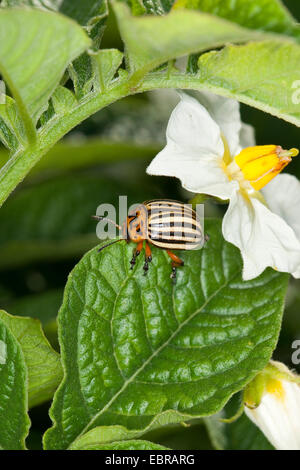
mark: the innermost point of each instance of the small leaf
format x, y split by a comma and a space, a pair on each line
63, 100
35, 49
128, 445
161, 38
43, 363
275, 63
135, 346
10, 116
109, 434
92, 441
106, 63
14, 421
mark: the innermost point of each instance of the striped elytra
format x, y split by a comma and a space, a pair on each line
173, 225
164, 223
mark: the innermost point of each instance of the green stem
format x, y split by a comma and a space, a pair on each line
20, 164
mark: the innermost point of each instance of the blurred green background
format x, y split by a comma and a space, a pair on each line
46, 224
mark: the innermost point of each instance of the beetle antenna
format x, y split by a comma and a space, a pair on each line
108, 244
98, 217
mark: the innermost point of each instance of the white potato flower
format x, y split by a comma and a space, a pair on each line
277, 412
212, 152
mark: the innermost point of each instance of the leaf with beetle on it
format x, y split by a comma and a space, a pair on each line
144, 346
14, 421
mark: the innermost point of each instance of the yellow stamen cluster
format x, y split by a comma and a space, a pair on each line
262, 163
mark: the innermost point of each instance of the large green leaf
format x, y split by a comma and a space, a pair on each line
161, 38
134, 347
268, 15
43, 363
58, 224
266, 84
14, 422
91, 14
35, 49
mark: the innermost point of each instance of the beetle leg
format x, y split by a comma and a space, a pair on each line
148, 258
136, 253
176, 263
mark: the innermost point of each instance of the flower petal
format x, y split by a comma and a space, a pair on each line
263, 237
279, 419
193, 130
283, 197
194, 151
226, 113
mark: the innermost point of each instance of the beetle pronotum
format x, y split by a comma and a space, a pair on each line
167, 224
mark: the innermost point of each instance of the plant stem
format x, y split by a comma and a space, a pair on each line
20, 164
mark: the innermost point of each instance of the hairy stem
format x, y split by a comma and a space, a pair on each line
20, 164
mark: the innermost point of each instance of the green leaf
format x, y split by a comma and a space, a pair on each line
63, 100
161, 38
58, 225
10, 118
267, 15
43, 306
267, 84
106, 61
109, 434
35, 49
134, 347
113, 438
43, 363
14, 421
92, 14
128, 445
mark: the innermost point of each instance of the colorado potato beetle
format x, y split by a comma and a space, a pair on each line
164, 223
